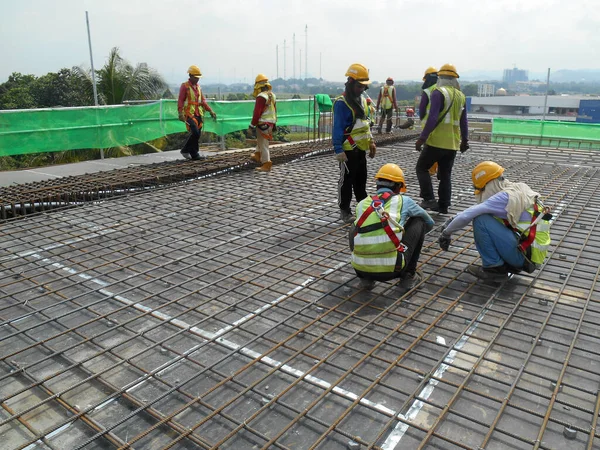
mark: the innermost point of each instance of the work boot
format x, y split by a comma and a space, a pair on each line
378, 130
365, 283
430, 204
410, 280
198, 157
266, 167
346, 216
494, 274
255, 157
186, 155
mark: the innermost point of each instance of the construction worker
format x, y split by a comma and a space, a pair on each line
430, 78
445, 132
410, 114
191, 106
352, 138
386, 101
388, 233
510, 225
263, 121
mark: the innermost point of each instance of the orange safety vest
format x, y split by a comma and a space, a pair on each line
191, 101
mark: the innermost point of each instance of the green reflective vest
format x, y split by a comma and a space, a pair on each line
374, 251
427, 92
541, 243
387, 96
361, 131
446, 134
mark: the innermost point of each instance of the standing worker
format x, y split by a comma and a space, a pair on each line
263, 121
386, 101
352, 138
510, 225
430, 78
389, 231
191, 105
445, 132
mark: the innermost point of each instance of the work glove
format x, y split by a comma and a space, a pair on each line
419, 144
444, 241
341, 157
372, 150
251, 132
464, 146
213, 115
181, 117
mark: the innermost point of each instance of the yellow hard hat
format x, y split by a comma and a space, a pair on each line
195, 71
448, 70
483, 173
391, 172
359, 73
261, 77
428, 71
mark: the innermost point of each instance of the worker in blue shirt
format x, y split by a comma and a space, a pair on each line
352, 138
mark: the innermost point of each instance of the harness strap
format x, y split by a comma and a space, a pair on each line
526, 241
379, 202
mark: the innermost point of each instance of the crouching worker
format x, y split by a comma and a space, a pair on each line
388, 233
510, 225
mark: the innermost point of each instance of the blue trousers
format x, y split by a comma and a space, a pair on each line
495, 243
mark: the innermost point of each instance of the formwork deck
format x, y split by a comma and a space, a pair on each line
223, 313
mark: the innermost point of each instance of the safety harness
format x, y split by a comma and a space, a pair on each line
377, 206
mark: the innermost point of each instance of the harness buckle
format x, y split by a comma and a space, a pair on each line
402, 248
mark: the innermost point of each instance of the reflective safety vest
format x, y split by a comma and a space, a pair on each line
534, 237
427, 92
269, 115
358, 134
378, 234
386, 96
191, 101
446, 134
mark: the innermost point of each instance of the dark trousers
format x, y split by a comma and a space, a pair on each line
191, 145
353, 176
445, 159
413, 237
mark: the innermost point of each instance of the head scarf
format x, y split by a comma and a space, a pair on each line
520, 197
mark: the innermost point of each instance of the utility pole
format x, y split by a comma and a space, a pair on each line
284, 59
277, 59
546, 98
87, 21
294, 57
300, 65
320, 55
305, 52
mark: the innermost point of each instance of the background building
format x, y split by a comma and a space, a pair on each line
511, 76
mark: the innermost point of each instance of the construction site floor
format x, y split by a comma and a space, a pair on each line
223, 312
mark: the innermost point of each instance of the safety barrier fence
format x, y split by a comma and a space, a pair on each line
546, 133
60, 129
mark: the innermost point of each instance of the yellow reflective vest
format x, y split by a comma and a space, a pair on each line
446, 134
269, 114
361, 131
191, 101
374, 251
387, 93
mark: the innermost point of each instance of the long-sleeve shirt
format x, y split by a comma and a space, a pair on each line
495, 205
342, 119
410, 209
259, 108
183, 92
423, 105
437, 106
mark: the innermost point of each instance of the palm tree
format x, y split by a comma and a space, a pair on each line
119, 81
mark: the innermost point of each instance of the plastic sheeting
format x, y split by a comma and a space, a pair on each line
59, 129
546, 133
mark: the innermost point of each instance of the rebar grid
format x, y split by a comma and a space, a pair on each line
197, 316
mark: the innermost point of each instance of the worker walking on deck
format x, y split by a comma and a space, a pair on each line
352, 138
191, 106
510, 225
444, 133
386, 101
263, 121
388, 233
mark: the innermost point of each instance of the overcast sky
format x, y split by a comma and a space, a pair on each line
237, 39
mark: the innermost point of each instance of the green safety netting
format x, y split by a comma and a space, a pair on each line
324, 102
546, 133
47, 130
